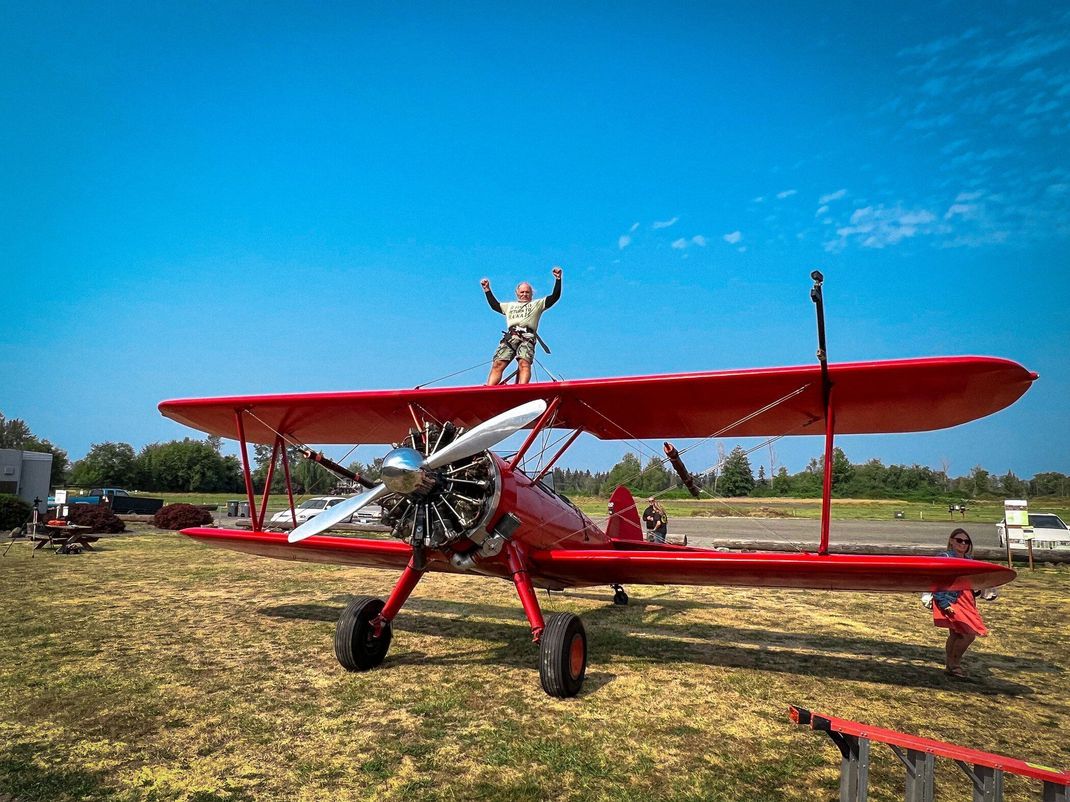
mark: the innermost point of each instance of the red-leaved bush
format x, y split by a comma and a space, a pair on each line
181, 516
98, 519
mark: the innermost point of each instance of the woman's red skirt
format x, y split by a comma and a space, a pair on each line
967, 618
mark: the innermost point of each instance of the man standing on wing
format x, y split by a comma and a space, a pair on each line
522, 319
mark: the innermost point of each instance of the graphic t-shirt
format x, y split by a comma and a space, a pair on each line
524, 314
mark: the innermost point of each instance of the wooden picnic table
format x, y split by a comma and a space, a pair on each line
68, 538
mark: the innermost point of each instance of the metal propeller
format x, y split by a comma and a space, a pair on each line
339, 512
404, 468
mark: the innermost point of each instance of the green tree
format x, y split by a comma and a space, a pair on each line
1012, 486
106, 465
782, 482
1050, 483
188, 466
309, 477
14, 433
736, 479
761, 483
655, 477
842, 470
372, 471
626, 472
980, 481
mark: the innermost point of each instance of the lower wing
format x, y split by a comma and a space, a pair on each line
320, 549
684, 566
663, 566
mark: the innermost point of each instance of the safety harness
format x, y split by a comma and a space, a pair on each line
515, 335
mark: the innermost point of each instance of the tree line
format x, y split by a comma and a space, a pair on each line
734, 477
190, 465
182, 466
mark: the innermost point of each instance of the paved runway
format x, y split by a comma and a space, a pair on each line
701, 531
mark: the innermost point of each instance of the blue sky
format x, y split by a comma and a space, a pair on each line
208, 199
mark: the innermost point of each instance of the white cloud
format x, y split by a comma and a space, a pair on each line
965, 210
665, 223
680, 244
938, 46
742, 249
733, 238
880, 226
966, 197
759, 199
787, 193
699, 240
635, 226
832, 196
624, 241
821, 210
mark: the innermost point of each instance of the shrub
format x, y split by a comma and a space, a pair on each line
98, 519
181, 516
13, 512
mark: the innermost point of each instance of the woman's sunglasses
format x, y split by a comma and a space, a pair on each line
961, 540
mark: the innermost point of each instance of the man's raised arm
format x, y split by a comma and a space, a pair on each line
485, 284
554, 296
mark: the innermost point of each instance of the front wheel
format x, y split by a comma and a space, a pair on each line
563, 655
355, 644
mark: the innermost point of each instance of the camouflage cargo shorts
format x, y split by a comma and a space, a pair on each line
517, 347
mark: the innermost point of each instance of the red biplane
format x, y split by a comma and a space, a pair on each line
456, 506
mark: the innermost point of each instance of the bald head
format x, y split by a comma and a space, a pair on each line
523, 292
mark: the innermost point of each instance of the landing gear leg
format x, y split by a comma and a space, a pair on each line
362, 636
526, 591
562, 639
619, 596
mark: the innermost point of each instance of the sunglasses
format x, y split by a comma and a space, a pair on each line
961, 540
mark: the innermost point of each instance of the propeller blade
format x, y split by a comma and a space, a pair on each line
487, 434
339, 512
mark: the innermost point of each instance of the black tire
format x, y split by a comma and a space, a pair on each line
355, 644
563, 655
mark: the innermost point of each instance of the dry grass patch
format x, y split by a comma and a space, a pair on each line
158, 669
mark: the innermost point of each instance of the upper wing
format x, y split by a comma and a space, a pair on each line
821, 572
907, 395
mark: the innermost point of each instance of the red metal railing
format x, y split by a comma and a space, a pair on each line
984, 769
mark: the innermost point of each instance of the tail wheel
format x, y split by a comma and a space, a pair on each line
563, 655
355, 644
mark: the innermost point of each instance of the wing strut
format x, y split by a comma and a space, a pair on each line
557, 456
538, 427
245, 463
257, 518
830, 417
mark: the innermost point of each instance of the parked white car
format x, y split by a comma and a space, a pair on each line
307, 509
1049, 532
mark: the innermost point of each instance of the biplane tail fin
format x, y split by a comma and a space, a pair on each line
624, 519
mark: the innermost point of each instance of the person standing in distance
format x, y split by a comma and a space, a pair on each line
522, 321
657, 521
956, 611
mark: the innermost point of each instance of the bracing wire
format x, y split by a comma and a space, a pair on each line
662, 460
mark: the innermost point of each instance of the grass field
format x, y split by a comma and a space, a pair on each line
159, 669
